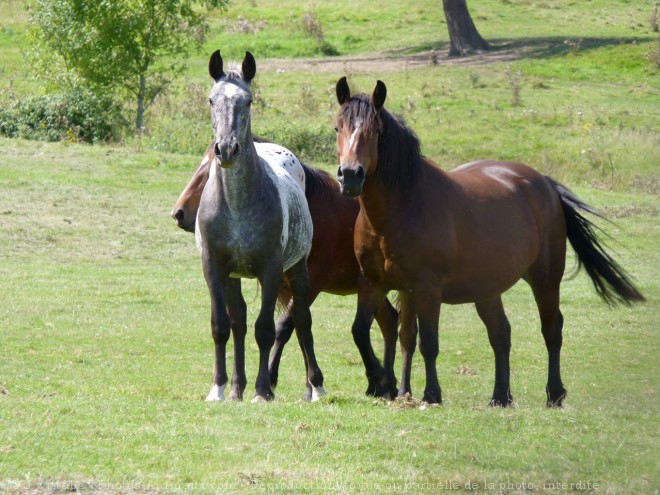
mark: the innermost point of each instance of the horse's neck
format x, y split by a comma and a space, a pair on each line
384, 207
240, 183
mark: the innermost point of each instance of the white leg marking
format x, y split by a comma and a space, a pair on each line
217, 393
317, 393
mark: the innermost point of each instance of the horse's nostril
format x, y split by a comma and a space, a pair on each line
179, 215
360, 172
216, 149
340, 172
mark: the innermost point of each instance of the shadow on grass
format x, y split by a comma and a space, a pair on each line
557, 46
504, 49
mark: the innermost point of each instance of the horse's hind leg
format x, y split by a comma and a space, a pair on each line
299, 279
285, 326
283, 332
264, 328
499, 334
552, 322
408, 340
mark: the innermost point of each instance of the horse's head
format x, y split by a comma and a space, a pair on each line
358, 128
230, 101
185, 208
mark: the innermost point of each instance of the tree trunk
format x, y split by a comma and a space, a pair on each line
463, 35
139, 120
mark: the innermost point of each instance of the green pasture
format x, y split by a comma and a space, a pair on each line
106, 356
105, 346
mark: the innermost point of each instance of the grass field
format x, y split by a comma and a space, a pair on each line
105, 346
106, 355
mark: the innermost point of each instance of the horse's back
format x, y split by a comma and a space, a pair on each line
490, 179
278, 156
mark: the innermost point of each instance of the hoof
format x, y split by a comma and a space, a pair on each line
379, 391
235, 396
308, 393
404, 394
216, 394
432, 397
317, 393
379, 388
263, 398
555, 399
501, 400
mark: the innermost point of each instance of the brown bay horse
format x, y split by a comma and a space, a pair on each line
465, 236
332, 265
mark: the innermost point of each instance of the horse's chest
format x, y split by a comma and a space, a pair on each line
380, 261
244, 242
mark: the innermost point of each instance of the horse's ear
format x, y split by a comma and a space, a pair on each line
215, 66
379, 94
249, 67
343, 91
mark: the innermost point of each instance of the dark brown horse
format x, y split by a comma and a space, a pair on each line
458, 237
331, 263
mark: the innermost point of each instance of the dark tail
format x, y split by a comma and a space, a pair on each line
609, 279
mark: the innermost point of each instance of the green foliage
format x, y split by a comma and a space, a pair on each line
312, 143
138, 46
73, 115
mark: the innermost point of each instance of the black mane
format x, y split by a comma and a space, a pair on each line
319, 182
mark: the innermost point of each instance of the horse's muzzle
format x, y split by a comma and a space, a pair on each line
227, 151
351, 179
183, 220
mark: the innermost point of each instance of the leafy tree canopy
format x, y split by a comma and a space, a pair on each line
138, 46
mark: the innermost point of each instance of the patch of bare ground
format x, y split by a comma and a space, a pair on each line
504, 50
388, 61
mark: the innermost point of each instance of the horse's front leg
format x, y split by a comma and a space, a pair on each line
388, 318
264, 329
237, 310
299, 280
369, 299
219, 326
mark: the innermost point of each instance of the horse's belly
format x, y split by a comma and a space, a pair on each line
299, 235
297, 229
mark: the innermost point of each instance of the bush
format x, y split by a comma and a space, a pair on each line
75, 115
313, 144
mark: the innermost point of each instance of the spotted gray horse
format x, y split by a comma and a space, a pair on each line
253, 222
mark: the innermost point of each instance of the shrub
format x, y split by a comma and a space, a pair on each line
74, 115
313, 144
